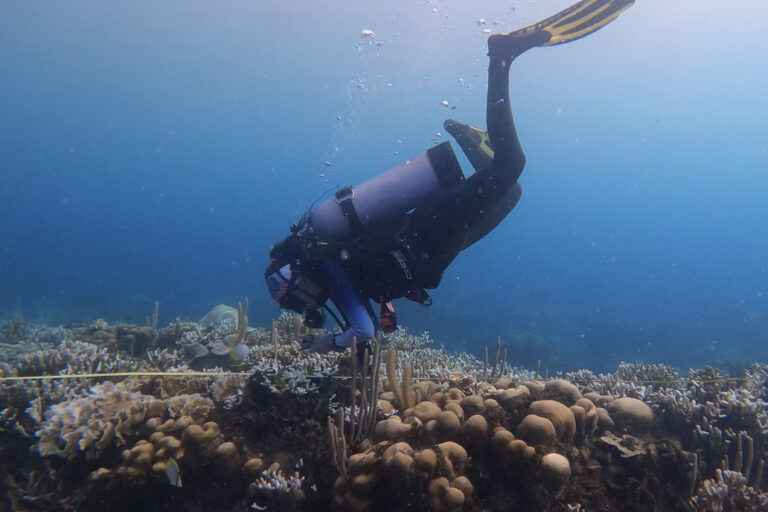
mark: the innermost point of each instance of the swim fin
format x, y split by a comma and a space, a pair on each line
473, 141
575, 22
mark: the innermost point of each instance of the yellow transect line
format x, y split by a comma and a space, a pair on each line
121, 374
222, 374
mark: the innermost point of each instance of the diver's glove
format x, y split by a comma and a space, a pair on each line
319, 343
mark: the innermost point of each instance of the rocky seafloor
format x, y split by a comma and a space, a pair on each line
408, 427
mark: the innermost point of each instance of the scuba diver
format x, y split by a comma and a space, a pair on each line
394, 235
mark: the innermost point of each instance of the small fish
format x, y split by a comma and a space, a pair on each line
481, 22
173, 473
444, 103
327, 164
367, 33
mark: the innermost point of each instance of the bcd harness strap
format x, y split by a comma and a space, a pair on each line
307, 249
344, 200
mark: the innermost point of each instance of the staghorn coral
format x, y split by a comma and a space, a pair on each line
432, 363
283, 366
401, 340
637, 372
728, 492
73, 358
165, 360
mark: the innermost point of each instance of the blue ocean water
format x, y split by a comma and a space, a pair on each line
156, 150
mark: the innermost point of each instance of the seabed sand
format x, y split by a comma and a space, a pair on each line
409, 427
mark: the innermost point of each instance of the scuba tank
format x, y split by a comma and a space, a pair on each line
379, 203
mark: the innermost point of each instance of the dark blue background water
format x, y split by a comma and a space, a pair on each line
155, 151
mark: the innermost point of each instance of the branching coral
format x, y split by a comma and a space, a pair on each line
107, 414
402, 340
728, 492
452, 440
30, 399
277, 491
73, 358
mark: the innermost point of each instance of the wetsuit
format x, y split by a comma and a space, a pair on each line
436, 233
414, 256
349, 300
479, 203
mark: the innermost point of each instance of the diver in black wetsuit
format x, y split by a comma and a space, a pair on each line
394, 235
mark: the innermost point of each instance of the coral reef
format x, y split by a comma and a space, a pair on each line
407, 426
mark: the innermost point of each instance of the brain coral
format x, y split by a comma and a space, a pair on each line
555, 467
562, 391
560, 416
537, 431
631, 414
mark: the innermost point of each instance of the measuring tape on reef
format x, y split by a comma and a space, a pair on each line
340, 377
121, 374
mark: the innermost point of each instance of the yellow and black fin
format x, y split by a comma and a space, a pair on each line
582, 19
575, 22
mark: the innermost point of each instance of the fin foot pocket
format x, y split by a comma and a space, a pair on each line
473, 141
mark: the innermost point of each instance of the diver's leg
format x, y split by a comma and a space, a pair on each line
491, 193
570, 24
499, 145
486, 197
495, 182
508, 157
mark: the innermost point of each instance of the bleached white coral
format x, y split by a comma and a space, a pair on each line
402, 340
276, 481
